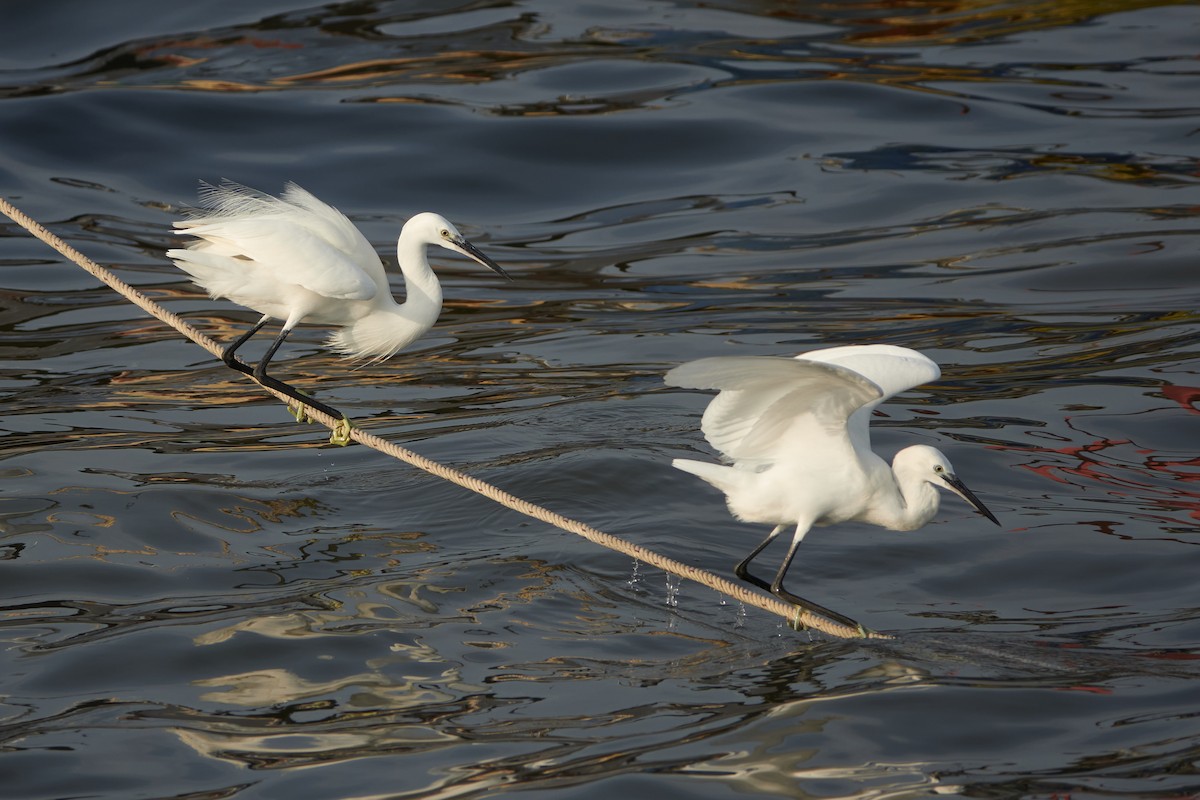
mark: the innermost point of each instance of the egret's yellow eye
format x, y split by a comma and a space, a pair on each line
445, 233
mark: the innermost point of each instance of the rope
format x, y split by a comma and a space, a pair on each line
798, 618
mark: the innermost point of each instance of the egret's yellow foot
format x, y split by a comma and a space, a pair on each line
341, 433
298, 411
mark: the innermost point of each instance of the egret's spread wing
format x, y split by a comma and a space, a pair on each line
893, 369
760, 397
300, 239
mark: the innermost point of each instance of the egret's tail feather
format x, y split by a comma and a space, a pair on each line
716, 474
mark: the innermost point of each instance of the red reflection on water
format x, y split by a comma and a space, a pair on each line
1186, 396
1151, 479
1086, 466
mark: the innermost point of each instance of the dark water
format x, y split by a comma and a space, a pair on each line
200, 598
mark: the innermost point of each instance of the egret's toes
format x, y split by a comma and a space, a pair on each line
341, 433
298, 411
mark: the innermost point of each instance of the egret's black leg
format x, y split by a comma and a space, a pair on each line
742, 569
228, 354
260, 375
783, 594
341, 433
260, 371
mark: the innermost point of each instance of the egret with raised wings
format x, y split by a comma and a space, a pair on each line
796, 433
297, 259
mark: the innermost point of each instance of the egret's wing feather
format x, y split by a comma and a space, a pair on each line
831, 405
760, 398
731, 417
338, 230
231, 199
299, 239
291, 251
224, 277
749, 386
893, 369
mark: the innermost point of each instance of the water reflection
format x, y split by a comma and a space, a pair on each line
191, 576
1166, 170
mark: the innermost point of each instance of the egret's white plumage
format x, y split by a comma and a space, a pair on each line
297, 259
796, 433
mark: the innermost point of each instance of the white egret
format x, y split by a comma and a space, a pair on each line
297, 259
796, 431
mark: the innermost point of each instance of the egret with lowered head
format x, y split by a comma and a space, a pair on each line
796, 431
297, 259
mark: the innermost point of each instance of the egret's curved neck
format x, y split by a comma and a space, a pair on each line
912, 500
423, 293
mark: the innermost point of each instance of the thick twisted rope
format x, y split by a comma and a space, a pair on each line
797, 617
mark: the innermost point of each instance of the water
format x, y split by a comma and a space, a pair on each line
200, 598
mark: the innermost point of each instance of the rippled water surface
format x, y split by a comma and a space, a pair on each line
200, 598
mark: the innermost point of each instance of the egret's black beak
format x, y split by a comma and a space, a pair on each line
474, 252
962, 491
